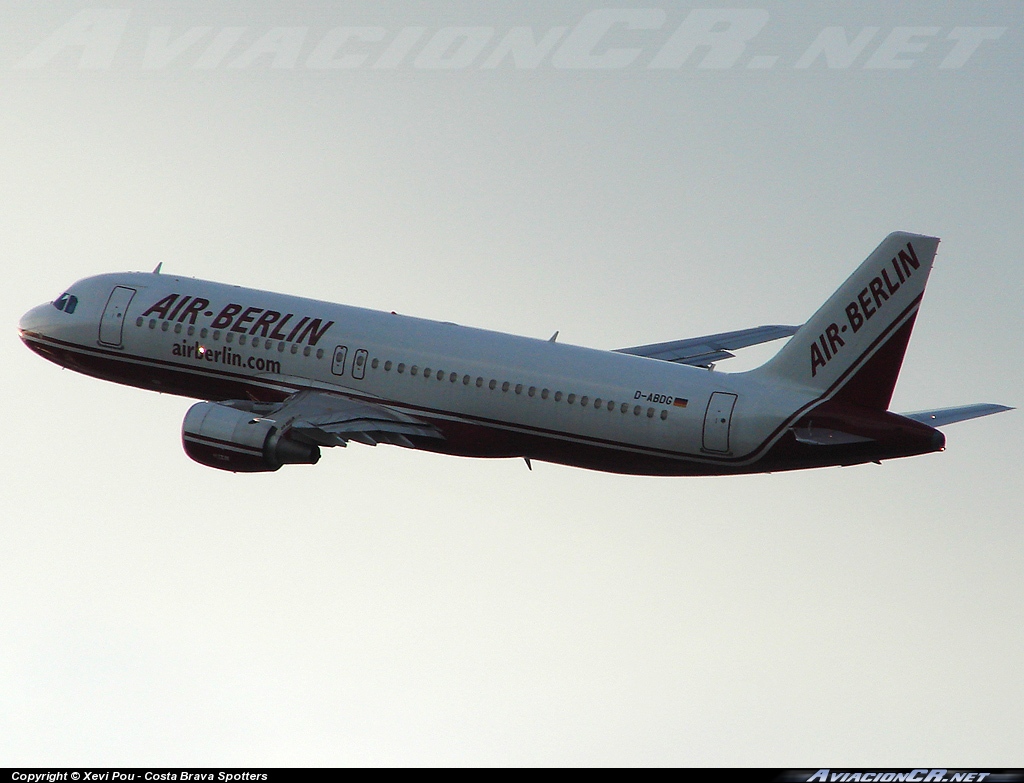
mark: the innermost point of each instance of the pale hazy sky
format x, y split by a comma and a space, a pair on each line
393, 607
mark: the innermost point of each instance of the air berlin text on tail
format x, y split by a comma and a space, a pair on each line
867, 304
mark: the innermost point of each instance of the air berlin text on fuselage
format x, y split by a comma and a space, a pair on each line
244, 320
868, 302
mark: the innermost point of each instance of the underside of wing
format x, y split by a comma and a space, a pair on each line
329, 419
939, 417
704, 351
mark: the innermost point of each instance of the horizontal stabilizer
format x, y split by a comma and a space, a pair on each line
943, 416
703, 351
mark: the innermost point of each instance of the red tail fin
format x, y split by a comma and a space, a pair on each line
851, 350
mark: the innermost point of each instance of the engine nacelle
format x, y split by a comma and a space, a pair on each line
230, 439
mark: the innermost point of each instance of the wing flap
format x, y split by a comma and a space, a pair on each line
704, 351
331, 419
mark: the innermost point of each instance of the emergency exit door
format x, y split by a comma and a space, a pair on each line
338, 362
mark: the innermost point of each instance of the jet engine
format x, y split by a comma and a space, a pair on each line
220, 436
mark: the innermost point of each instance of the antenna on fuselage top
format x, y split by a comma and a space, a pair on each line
553, 337
158, 267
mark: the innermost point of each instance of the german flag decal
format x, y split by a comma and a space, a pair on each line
679, 402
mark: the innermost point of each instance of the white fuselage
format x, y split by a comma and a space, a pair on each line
487, 393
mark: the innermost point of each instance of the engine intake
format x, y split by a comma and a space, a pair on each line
223, 437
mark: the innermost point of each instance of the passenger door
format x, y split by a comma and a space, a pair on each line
112, 320
717, 421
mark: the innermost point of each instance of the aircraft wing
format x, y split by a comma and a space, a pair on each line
331, 419
939, 417
703, 351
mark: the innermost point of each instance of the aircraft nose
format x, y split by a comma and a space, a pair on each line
36, 320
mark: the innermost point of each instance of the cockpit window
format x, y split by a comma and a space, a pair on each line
66, 302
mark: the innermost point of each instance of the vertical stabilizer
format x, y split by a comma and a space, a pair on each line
851, 350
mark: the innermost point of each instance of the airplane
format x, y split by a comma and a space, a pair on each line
279, 377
